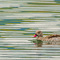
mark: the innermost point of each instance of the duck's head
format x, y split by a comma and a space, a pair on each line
38, 33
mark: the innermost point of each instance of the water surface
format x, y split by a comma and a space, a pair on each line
18, 22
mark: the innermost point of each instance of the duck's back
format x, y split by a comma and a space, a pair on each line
53, 39
52, 36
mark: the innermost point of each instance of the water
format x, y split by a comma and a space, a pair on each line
18, 22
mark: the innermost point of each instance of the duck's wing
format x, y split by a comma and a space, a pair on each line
52, 36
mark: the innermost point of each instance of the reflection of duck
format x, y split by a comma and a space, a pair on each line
50, 39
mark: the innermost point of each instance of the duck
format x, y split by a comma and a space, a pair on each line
49, 40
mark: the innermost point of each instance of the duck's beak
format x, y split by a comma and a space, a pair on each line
34, 35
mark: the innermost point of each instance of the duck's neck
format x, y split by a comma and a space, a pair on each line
39, 38
40, 35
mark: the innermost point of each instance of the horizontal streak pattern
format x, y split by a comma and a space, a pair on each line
19, 19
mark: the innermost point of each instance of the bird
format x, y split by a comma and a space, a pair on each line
49, 40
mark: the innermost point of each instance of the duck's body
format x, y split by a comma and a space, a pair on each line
50, 39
